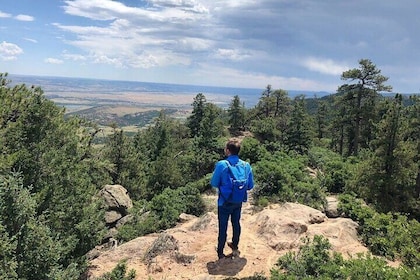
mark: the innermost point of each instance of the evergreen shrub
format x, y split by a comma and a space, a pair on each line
391, 235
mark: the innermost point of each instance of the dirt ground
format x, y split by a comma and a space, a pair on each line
190, 251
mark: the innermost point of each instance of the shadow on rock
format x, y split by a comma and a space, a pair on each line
228, 267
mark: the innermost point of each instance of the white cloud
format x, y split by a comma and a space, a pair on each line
31, 40
104, 59
231, 54
324, 66
162, 11
94, 9
159, 58
194, 44
138, 37
74, 57
24, 18
236, 4
314, 40
4, 15
9, 51
186, 5
53, 61
225, 76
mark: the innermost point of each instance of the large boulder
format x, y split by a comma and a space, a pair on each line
283, 225
117, 203
116, 198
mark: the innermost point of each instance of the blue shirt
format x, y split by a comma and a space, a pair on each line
221, 177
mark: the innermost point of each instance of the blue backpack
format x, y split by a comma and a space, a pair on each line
239, 182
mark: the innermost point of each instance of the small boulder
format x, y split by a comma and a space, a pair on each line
331, 210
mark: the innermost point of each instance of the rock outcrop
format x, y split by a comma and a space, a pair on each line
117, 203
266, 235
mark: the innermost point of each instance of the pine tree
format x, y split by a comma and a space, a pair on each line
321, 119
57, 164
388, 178
360, 99
236, 113
197, 114
299, 135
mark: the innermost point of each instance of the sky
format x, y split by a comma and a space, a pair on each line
288, 44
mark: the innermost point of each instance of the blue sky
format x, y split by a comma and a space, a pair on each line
289, 44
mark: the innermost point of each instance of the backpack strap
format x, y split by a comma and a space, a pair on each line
230, 170
220, 191
233, 173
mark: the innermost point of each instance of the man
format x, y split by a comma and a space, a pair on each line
222, 179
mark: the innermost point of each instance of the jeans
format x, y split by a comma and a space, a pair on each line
234, 211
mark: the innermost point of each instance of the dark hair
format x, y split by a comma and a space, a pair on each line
234, 146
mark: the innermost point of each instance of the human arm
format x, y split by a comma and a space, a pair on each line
250, 179
216, 179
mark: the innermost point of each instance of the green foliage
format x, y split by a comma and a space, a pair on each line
143, 222
284, 178
389, 177
156, 158
357, 105
204, 122
315, 261
321, 118
211, 126
101, 115
236, 113
262, 201
163, 211
265, 130
334, 171
119, 273
256, 276
368, 267
353, 208
59, 176
30, 247
38, 251
252, 150
114, 151
200, 160
164, 173
197, 115
393, 236
270, 119
171, 203
202, 185
299, 132
8, 263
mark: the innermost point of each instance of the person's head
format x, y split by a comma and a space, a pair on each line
233, 146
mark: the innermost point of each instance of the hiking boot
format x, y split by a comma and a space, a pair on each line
222, 256
230, 244
235, 251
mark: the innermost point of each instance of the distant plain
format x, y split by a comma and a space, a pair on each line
131, 103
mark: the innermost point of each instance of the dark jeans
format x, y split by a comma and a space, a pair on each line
234, 211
